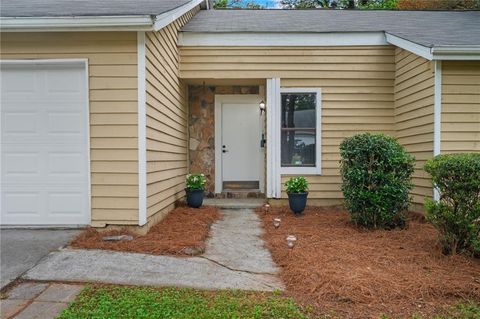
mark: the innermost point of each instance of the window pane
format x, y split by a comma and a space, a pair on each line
298, 148
298, 110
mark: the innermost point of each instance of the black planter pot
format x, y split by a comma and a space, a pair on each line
297, 202
194, 197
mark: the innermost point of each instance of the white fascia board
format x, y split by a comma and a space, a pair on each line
166, 18
86, 23
281, 39
416, 48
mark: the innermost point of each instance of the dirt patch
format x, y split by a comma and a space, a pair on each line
358, 273
182, 232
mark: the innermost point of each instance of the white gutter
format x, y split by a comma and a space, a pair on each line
95, 23
87, 23
456, 52
436, 52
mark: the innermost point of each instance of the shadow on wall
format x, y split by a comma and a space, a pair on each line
202, 128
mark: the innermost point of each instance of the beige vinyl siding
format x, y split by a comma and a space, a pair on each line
460, 107
167, 116
414, 100
356, 84
112, 59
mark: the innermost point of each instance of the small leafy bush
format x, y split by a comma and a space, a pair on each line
457, 214
195, 181
297, 185
376, 172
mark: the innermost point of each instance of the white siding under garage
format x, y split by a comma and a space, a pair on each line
44, 143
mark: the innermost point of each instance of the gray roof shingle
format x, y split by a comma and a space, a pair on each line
428, 28
67, 8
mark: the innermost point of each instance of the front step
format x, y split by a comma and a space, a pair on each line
234, 203
237, 193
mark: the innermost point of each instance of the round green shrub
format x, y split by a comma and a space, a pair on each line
376, 172
457, 214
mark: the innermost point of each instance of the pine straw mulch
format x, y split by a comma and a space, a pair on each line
358, 273
182, 232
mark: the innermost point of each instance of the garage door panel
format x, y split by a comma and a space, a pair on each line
25, 123
60, 123
45, 170
18, 80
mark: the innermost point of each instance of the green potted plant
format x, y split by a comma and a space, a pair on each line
297, 190
195, 186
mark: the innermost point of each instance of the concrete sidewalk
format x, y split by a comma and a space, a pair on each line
235, 258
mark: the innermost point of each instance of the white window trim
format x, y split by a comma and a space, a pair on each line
317, 170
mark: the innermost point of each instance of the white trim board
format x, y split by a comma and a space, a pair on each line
317, 170
281, 39
274, 184
437, 116
166, 18
142, 129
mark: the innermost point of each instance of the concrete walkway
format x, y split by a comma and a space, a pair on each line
234, 258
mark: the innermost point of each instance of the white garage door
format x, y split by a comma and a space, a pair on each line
44, 144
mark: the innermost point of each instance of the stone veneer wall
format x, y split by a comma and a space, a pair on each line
202, 127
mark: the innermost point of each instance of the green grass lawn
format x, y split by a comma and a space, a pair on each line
116, 302
141, 302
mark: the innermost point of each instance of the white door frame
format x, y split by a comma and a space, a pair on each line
234, 98
83, 62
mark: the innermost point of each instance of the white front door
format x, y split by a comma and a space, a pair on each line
44, 144
241, 154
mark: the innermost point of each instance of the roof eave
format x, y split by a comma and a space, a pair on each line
450, 52
456, 52
76, 23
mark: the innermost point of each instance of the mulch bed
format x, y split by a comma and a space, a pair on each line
357, 273
182, 232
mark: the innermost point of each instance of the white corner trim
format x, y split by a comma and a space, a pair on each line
166, 18
142, 129
281, 39
418, 49
87, 23
317, 170
437, 115
274, 184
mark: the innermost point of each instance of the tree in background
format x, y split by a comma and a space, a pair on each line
438, 4
339, 4
356, 4
383, 4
